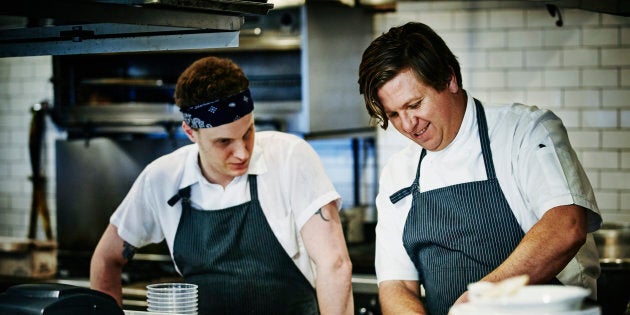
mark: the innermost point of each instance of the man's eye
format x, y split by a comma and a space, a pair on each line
248, 134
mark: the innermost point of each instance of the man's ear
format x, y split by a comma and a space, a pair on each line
188, 131
452, 85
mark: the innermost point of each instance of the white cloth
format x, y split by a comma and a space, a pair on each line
292, 186
536, 168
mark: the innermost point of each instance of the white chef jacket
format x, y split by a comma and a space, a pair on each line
536, 168
292, 186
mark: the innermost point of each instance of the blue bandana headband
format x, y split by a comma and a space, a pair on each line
218, 112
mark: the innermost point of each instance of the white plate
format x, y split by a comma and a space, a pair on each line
537, 297
471, 309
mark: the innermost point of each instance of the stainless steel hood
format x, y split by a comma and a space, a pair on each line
61, 27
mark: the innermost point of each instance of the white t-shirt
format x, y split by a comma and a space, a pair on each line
292, 186
536, 168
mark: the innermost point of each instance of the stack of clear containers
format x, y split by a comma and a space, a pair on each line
172, 298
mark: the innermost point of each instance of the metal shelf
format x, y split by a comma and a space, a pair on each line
83, 27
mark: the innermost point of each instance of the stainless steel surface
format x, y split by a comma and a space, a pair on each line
122, 114
294, 85
232, 6
334, 39
76, 12
613, 240
41, 27
124, 44
364, 283
104, 93
102, 170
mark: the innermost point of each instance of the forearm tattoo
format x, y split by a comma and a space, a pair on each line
128, 251
321, 214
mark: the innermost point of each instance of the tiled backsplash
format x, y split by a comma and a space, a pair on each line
508, 54
23, 83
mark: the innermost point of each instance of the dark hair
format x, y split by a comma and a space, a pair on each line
208, 79
412, 46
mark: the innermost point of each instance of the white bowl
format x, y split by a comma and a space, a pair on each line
537, 297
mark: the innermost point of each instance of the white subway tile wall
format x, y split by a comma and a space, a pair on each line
338, 158
24, 82
580, 70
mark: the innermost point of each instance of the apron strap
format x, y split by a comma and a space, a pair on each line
485, 140
183, 193
399, 195
253, 187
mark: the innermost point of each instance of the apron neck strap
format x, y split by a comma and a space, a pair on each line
486, 152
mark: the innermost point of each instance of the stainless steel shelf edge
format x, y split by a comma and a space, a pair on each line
62, 27
133, 43
94, 12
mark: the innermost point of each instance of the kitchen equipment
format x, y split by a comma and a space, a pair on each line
79, 27
56, 299
27, 258
472, 309
516, 298
354, 218
38, 205
613, 289
535, 298
175, 298
613, 240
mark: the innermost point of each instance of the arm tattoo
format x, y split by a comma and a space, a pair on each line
128, 251
322, 215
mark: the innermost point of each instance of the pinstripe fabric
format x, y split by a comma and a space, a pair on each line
238, 263
457, 234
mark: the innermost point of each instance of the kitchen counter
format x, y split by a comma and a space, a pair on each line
364, 286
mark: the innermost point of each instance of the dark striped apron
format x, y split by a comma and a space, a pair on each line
236, 260
457, 234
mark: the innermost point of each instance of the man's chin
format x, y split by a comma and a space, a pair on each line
239, 172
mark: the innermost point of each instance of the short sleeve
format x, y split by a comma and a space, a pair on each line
309, 185
136, 217
549, 170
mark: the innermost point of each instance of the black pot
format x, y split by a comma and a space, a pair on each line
613, 286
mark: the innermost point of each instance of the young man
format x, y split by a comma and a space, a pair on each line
480, 193
245, 215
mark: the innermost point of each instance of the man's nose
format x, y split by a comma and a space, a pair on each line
407, 122
240, 150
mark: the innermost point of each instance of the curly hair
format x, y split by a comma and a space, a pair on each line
208, 79
412, 46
